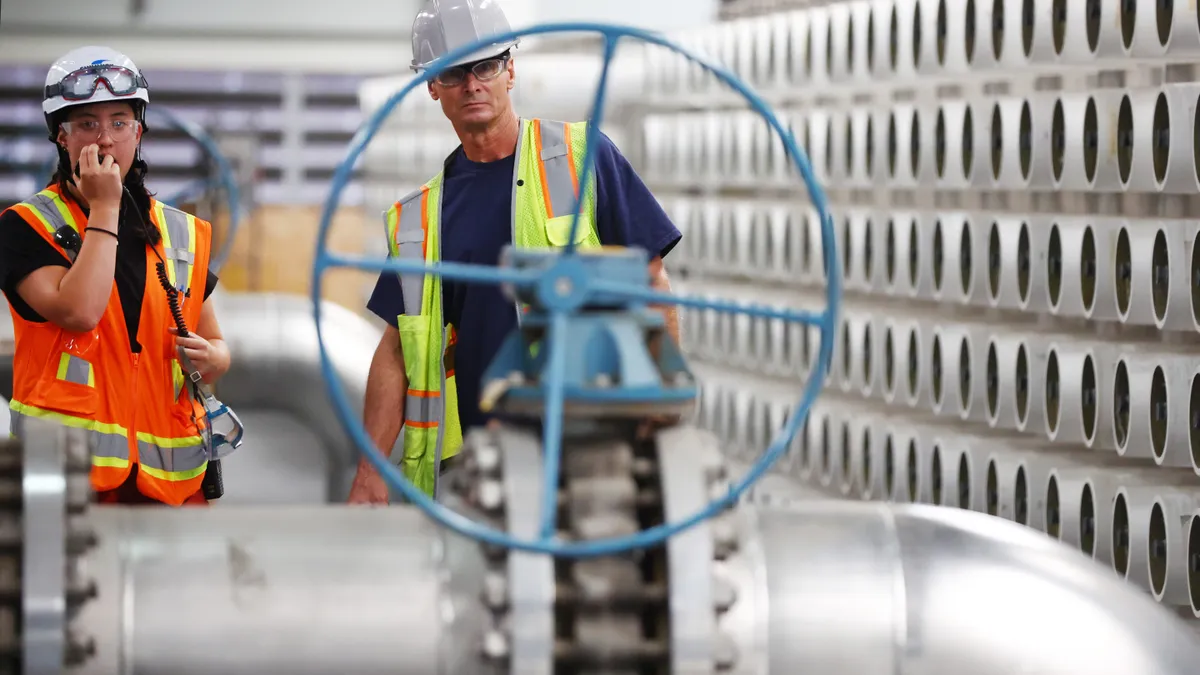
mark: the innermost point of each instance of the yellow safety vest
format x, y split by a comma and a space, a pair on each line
549, 163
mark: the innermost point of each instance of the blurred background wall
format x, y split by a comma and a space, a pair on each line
276, 83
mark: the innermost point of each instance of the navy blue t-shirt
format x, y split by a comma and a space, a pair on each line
476, 225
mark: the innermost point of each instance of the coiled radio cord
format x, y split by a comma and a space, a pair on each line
213, 485
172, 298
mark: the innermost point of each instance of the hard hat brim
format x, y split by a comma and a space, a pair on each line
491, 51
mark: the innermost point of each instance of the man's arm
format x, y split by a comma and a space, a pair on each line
387, 387
627, 214
659, 281
383, 415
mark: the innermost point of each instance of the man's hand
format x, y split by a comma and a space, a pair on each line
652, 425
383, 414
660, 281
368, 486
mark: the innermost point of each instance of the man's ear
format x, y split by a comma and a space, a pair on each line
432, 94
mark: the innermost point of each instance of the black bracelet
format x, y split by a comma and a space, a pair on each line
101, 229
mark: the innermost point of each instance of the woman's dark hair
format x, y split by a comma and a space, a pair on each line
136, 192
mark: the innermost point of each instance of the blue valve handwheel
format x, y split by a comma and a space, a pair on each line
825, 320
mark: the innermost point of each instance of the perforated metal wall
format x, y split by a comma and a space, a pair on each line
1015, 188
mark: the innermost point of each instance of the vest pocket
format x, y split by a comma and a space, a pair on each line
184, 409
558, 229
422, 405
72, 388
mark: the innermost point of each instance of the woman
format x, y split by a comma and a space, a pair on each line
86, 356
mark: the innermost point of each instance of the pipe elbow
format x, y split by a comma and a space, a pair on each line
876, 588
275, 364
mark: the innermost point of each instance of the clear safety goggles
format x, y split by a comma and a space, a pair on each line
86, 129
81, 84
485, 70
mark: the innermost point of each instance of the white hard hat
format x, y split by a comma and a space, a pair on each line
443, 26
93, 75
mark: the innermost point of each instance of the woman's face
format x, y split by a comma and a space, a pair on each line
111, 125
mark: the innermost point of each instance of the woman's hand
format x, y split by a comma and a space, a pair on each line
210, 358
99, 181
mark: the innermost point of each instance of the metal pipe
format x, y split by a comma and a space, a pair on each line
276, 366
347, 589
933, 590
290, 590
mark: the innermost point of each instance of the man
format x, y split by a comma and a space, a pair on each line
89, 266
509, 176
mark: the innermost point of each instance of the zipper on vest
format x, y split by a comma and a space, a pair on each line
512, 219
441, 428
133, 431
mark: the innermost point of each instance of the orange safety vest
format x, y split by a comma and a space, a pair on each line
135, 407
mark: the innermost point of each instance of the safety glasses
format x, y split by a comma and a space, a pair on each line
485, 70
90, 130
81, 84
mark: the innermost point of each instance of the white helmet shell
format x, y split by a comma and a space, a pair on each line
443, 26
88, 56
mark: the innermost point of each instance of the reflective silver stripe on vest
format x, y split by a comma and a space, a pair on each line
557, 163
78, 371
424, 410
102, 445
410, 245
45, 206
111, 446
181, 243
186, 458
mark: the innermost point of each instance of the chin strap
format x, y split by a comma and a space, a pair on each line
218, 443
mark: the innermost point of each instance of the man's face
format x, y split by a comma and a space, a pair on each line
110, 125
475, 94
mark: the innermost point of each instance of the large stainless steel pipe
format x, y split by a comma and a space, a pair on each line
827, 587
276, 366
920, 589
297, 590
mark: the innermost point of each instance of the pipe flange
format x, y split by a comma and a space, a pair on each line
45, 477
546, 616
694, 474
501, 480
614, 606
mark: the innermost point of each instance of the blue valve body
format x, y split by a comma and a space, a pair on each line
620, 363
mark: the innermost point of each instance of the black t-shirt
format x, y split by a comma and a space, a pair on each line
23, 250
